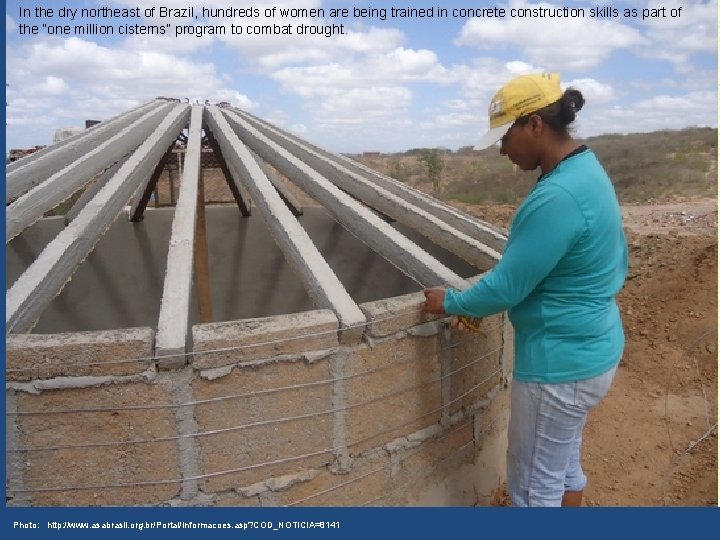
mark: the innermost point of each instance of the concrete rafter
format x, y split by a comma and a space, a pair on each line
47, 275
128, 154
377, 196
359, 220
175, 304
24, 174
61, 185
486, 233
320, 281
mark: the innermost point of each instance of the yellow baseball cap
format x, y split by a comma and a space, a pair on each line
521, 96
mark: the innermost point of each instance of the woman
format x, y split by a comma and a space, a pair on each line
564, 263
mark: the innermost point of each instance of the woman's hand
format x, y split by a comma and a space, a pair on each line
434, 299
457, 324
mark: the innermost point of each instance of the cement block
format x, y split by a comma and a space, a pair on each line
392, 315
43, 356
490, 421
269, 396
418, 461
393, 388
124, 463
233, 500
264, 338
420, 472
475, 366
367, 481
489, 470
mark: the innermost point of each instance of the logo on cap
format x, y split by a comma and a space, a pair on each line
495, 108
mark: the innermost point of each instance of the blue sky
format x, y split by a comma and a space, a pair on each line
387, 85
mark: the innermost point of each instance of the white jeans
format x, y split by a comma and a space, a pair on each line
545, 435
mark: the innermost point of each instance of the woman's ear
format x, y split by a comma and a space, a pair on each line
536, 124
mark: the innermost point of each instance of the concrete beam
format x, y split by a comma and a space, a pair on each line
47, 275
32, 205
25, 173
360, 221
277, 182
94, 188
491, 236
321, 283
173, 326
376, 196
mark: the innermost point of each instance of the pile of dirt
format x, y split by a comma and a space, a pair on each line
653, 441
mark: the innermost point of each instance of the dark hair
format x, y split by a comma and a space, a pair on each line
561, 114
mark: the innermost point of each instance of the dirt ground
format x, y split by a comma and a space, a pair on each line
653, 440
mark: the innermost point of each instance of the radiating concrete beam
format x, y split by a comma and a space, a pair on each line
25, 173
321, 283
486, 233
44, 197
46, 277
272, 175
94, 189
360, 221
175, 304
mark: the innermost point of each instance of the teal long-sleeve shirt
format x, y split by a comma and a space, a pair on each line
564, 262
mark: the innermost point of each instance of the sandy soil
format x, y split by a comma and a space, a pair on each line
653, 440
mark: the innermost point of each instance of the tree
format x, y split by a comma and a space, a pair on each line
433, 161
398, 170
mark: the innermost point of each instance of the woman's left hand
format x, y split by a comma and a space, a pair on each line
434, 300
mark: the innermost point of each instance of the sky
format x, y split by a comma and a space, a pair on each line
387, 84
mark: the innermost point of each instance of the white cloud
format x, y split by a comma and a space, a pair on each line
559, 43
10, 25
392, 68
593, 91
676, 38
363, 106
53, 86
71, 80
270, 52
654, 113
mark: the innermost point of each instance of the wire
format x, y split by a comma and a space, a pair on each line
152, 359
256, 465
221, 398
252, 424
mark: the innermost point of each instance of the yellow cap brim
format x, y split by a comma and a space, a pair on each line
492, 136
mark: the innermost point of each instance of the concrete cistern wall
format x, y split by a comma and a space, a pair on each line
119, 391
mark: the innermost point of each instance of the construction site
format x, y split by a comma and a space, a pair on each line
227, 315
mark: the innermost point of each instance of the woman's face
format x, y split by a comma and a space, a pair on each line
520, 144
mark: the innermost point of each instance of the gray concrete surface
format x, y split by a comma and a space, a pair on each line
48, 274
25, 173
492, 236
355, 217
120, 282
321, 283
173, 328
66, 181
374, 193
